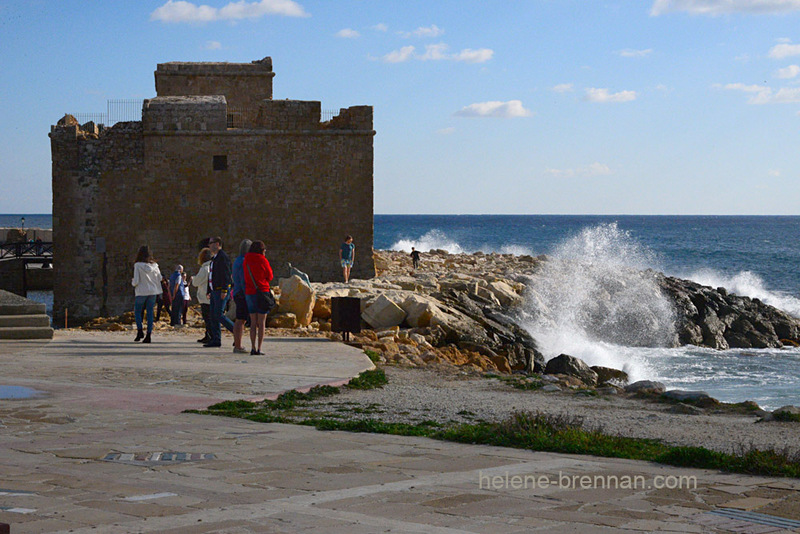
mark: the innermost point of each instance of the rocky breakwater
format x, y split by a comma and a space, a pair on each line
714, 318
466, 309
460, 309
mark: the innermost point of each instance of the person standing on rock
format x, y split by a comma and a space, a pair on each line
414, 258
147, 284
219, 285
258, 275
176, 286
347, 256
242, 314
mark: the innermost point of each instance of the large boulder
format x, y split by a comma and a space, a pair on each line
297, 298
505, 294
322, 308
648, 387
609, 375
419, 310
383, 313
282, 320
565, 364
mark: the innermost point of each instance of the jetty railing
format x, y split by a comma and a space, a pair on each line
43, 249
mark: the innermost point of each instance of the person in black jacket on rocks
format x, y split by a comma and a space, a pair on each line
219, 285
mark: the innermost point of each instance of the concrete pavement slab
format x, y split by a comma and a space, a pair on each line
88, 457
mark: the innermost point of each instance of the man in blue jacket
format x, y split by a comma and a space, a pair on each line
219, 285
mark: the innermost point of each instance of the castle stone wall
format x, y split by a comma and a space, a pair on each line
244, 85
181, 175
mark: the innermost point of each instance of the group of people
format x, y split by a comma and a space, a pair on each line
245, 281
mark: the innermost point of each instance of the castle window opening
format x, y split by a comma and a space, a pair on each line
220, 163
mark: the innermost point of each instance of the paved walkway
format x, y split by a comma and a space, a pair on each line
107, 449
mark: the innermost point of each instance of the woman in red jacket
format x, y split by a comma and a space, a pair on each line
257, 275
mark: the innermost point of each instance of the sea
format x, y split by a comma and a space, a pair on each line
755, 256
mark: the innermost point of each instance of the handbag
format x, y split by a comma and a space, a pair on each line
266, 301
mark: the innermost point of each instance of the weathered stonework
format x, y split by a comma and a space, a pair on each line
182, 174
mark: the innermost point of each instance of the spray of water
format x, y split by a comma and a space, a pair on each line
596, 296
434, 239
749, 284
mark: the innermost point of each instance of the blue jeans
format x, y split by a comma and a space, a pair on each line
217, 317
144, 302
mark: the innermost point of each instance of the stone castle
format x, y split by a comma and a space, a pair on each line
214, 154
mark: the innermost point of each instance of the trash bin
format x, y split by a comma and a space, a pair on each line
346, 315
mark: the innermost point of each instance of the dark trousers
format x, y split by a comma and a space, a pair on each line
205, 309
176, 312
217, 316
161, 303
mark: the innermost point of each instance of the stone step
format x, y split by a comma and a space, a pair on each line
26, 332
24, 320
26, 307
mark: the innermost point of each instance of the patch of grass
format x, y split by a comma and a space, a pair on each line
526, 383
375, 378
374, 356
524, 430
787, 417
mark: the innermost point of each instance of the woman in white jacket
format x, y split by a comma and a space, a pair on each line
200, 281
147, 284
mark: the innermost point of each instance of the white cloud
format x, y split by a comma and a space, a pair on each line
586, 171
628, 52
766, 95
562, 88
399, 56
783, 50
781, 96
381, 27
495, 109
181, 11
468, 55
603, 96
213, 45
721, 7
788, 72
430, 31
434, 52
446, 131
744, 88
348, 33
775, 172
438, 52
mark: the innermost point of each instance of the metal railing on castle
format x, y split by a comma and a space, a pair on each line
116, 111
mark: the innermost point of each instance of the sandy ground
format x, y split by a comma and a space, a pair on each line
415, 395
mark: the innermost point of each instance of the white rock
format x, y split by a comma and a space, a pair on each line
505, 294
383, 313
297, 298
419, 310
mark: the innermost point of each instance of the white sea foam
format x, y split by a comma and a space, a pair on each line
747, 284
437, 239
594, 300
434, 239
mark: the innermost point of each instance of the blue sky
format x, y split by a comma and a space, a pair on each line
527, 106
